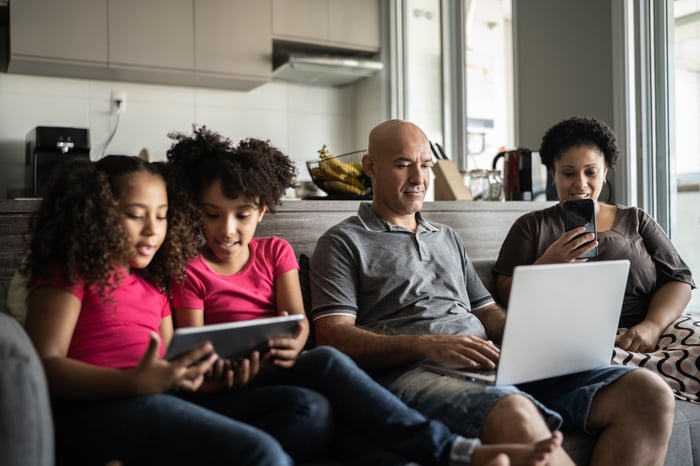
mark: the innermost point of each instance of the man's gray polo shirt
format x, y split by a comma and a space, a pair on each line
393, 281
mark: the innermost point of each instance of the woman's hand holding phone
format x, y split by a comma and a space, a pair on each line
569, 247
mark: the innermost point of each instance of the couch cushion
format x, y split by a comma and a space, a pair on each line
684, 447
484, 268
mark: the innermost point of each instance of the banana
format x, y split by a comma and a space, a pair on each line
336, 169
329, 173
343, 187
338, 165
338, 175
324, 153
344, 167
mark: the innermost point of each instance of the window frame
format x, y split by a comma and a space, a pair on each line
644, 107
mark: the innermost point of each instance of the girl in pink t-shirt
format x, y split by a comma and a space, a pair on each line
239, 277
105, 243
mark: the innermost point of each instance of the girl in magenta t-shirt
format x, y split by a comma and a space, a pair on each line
239, 277
105, 243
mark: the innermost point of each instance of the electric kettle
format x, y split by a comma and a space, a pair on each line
517, 174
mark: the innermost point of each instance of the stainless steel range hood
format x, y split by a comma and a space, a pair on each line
325, 70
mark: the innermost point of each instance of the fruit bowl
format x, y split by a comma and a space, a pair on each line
340, 175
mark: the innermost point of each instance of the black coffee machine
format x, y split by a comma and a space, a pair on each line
48, 146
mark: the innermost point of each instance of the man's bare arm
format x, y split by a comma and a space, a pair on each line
493, 318
373, 351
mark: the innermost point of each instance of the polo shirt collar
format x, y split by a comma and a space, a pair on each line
373, 222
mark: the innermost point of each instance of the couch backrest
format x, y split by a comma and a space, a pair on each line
13, 226
483, 226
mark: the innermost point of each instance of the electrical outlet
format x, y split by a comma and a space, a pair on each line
119, 101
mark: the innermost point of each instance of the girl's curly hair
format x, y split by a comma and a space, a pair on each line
578, 131
254, 168
78, 226
179, 245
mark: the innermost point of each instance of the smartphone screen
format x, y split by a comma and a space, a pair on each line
578, 213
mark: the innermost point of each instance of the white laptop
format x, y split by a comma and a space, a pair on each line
561, 319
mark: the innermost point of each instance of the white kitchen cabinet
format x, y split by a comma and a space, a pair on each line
355, 22
225, 44
233, 37
333, 23
66, 31
151, 34
300, 19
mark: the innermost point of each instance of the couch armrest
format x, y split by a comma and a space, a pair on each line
26, 426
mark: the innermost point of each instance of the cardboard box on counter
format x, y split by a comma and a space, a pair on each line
449, 185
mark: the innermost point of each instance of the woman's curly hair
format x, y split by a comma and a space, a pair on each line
78, 225
578, 131
254, 168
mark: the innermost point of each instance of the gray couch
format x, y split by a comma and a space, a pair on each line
26, 429
25, 419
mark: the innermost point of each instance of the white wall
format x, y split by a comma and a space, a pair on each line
563, 64
297, 119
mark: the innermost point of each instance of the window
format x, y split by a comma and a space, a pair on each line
685, 198
489, 77
451, 68
663, 118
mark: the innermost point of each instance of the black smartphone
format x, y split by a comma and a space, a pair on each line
581, 213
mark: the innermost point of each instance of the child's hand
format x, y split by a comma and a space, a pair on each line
156, 375
284, 351
220, 374
246, 369
227, 374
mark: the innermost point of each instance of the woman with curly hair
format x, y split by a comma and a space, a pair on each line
654, 331
105, 244
240, 277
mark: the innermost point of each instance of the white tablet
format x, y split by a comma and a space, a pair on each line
233, 339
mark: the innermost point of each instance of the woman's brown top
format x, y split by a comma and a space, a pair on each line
634, 236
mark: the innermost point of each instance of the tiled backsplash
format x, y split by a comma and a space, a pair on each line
296, 118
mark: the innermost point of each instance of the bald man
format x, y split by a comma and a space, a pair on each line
391, 289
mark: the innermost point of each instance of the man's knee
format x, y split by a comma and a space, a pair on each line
513, 418
650, 392
639, 393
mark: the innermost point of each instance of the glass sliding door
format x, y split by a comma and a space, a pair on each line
685, 192
452, 73
423, 66
660, 113
667, 128
489, 80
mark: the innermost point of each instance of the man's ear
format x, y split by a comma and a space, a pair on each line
263, 209
368, 165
